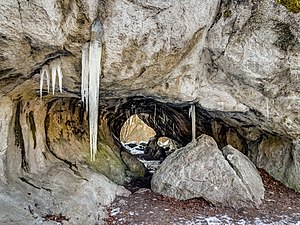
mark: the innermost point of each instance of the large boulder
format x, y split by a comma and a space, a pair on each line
202, 170
78, 195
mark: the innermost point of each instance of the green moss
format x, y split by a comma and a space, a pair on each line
109, 164
291, 5
137, 169
227, 13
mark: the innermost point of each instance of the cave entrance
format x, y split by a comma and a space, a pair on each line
142, 141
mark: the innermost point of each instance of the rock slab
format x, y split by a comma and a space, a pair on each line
225, 178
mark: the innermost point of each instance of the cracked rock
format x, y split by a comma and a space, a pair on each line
200, 170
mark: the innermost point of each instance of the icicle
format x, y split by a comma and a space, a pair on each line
173, 130
268, 108
190, 111
56, 71
94, 84
154, 116
164, 117
60, 76
53, 75
127, 115
193, 115
85, 76
44, 71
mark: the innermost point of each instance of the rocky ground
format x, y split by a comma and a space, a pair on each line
280, 206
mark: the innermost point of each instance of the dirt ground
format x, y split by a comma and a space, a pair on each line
280, 206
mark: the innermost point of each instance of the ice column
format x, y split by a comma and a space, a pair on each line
193, 115
90, 82
55, 66
85, 76
44, 71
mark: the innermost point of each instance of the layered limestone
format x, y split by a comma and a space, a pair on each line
236, 61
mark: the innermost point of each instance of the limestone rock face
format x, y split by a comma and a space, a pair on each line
80, 197
236, 61
202, 170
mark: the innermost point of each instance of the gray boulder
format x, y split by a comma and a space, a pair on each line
201, 170
79, 195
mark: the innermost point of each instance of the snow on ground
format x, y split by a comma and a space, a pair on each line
136, 150
280, 207
139, 149
151, 165
218, 220
203, 220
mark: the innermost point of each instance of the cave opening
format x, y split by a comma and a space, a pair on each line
134, 130
143, 142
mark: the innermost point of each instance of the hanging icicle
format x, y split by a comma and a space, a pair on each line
95, 50
60, 76
44, 71
267, 104
193, 115
85, 76
154, 116
130, 120
55, 66
127, 114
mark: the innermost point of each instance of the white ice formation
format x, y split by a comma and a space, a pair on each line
192, 113
44, 72
55, 67
85, 76
90, 82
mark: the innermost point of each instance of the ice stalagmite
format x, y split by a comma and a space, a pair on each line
44, 71
94, 83
85, 76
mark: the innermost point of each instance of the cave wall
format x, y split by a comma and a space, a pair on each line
237, 61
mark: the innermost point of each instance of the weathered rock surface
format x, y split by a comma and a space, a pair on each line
237, 61
79, 195
246, 171
201, 170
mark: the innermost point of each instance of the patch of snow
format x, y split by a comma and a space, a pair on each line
143, 143
163, 144
135, 151
115, 212
225, 219
151, 165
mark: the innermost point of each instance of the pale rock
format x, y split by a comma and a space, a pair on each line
6, 113
201, 170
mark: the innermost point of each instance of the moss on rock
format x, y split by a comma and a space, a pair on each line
108, 163
291, 5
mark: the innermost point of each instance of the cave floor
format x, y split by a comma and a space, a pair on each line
280, 206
